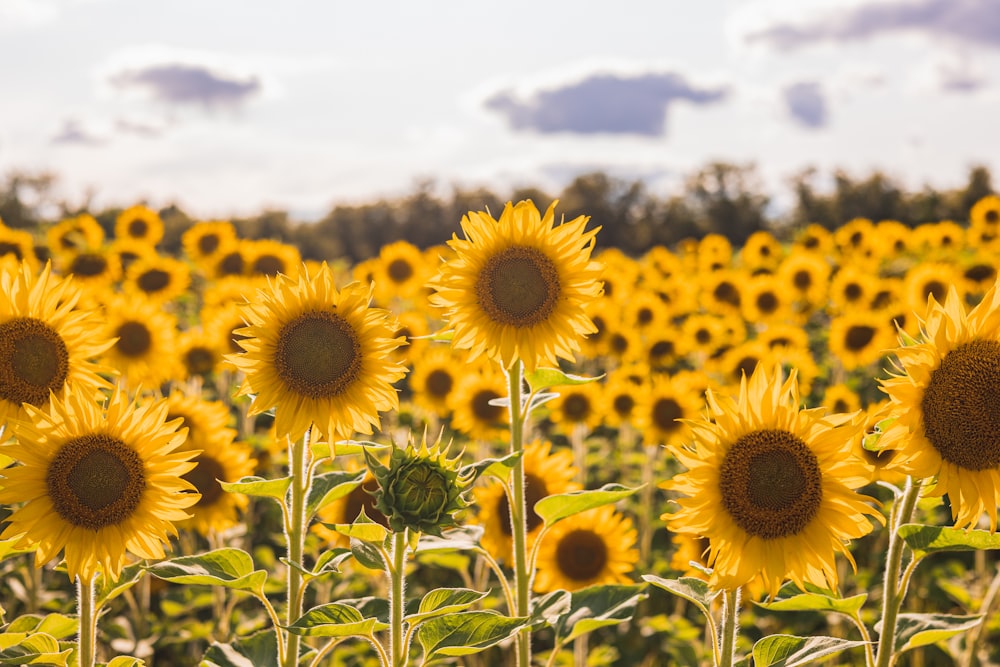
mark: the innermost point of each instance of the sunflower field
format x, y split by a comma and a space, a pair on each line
513, 448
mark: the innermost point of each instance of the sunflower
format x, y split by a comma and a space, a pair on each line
267, 257
784, 335
661, 411
701, 334
400, 272
879, 463
815, 238
985, 213
75, 234
854, 237
144, 351
588, 549
319, 356
893, 238
766, 298
346, 509
662, 349
603, 314
929, 279
620, 397
761, 253
577, 404
624, 345
472, 408
841, 398
518, 286
944, 398
219, 459
19, 244
205, 240
198, 354
434, 378
850, 288
45, 342
127, 251
715, 252
412, 328
770, 487
979, 273
664, 263
546, 473
644, 312
93, 270
944, 237
858, 340
619, 274
139, 223
157, 278
806, 277
721, 291
97, 482
232, 260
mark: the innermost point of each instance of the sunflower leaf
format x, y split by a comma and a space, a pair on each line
817, 602
595, 607
260, 487
331, 450
335, 620
460, 538
8, 548
915, 630
125, 661
691, 589
228, 567
789, 650
106, 590
925, 540
18, 648
543, 378
367, 554
465, 633
559, 506
331, 486
441, 601
363, 529
260, 648
496, 468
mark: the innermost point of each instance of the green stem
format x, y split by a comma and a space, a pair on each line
892, 591
299, 468
397, 647
865, 637
518, 513
87, 615
730, 615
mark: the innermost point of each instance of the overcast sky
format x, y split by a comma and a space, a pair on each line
229, 106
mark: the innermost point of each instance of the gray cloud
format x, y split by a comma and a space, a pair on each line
806, 103
603, 103
72, 132
960, 77
140, 129
966, 20
188, 84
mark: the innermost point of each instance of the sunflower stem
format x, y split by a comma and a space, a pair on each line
518, 512
299, 468
730, 616
397, 647
892, 587
87, 615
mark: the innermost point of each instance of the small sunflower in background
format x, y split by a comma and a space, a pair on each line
97, 482
319, 356
979, 273
850, 289
199, 356
576, 406
841, 398
619, 274
715, 252
400, 272
434, 378
517, 287
937, 238
204, 241
985, 213
767, 299
413, 326
267, 257
805, 276
771, 486
94, 270
854, 237
761, 253
663, 349
473, 408
944, 398
620, 397
815, 238
73, 235
859, 340
129, 250
139, 223
546, 473
144, 351
929, 279
19, 245
158, 278
232, 261
721, 292
46, 343
662, 409
588, 549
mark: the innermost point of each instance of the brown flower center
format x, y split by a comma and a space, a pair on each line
858, 337
518, 287
581, 555
89, 265
439, 383
483, 411
666, 411
771, 483
33, 361
199, 360
205, 477
534, 490
268, 265
134, 339
7, 248
153, 280
138, 229
318, 355
961, 413
208, 243
576, 408
399, 270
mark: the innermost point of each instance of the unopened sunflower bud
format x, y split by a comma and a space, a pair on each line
420, 489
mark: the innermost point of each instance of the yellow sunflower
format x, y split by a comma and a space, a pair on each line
205, 240
945, 237
158, 278
471, 404
766, 298
219, 459
139, 223
944, 398
319, 356
806, 276
127, 251
75, 234
93, 270
815, 238
930, 279
620, 396
144, 351
199, 355
435, 376
858, 340
588, 549
576, 405
770, 486
518, 286
45, 342
715, 252
546, 473
985, 213
761, 253
97, 482
267, 257
661, 411
19, 244
400, 272
721, 291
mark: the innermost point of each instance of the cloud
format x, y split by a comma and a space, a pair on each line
182, 84
806, 102
72, 132
965, 20
960, 76
603, 103
138, 128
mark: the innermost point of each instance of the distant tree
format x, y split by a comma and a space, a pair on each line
26, 198
728, 200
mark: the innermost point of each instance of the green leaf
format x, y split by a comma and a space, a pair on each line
258, 649
331, 486
444, 601
335, 620
373, 533
817, 602
59, 626
925, 540
466, 633
595, 607
331, 450
914, 630
259, 487
462, 538
543, 378
557, 507
691, 589
125, 661
38, 648
228, 567
367, 554
789, 650
496, 468
106, 590
7, 548
546, 609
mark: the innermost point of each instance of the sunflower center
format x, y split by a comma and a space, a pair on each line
992, 216
439, 383
318, 355
665, 413
853, 291
802, 280
399, 270
95, 481
726, 292
482, 409
362, 499
199, 360
231, 264
859, 336
576, 407
661, 348
961, 413
936, 288
767, 302
771, 483
581, 555
205, 477
981, 273
534, 490
134, 339
137, 229
208, 243
623, 405
33, 361
268, 265
518, 287
10, 249
153, 280
89, 264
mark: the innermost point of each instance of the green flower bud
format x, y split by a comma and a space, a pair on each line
420, 489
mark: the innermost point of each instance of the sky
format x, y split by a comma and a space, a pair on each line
230, 107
